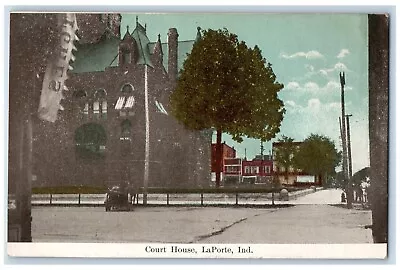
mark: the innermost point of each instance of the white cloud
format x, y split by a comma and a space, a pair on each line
340, 67
343, 53
313, 88
308, 55
292, 85
337, 67
314, 108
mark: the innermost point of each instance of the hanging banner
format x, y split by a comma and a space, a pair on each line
57, 68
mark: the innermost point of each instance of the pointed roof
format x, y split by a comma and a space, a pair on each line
99, 56
158, 47
142, 41
127, 34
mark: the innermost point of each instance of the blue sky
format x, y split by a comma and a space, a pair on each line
307, 52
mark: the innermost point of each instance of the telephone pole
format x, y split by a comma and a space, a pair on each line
262, 159
344, 144
349, 146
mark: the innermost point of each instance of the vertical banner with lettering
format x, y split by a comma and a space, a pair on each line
57, 67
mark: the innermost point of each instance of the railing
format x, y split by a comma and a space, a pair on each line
179, 197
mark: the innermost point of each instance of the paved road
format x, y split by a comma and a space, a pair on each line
312, 220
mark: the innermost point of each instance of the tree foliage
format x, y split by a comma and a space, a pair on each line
285, 153
227, 86
317, 155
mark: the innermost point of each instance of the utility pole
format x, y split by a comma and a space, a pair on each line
262, 157
344, 144
147, 138
349, 145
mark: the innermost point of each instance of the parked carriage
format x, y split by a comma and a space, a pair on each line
118, 198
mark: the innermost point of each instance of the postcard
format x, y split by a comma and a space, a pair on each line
198, 135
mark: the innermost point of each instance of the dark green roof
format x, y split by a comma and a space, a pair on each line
142, 41
99, 56
96, 57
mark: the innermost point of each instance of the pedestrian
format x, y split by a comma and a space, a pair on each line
359, 193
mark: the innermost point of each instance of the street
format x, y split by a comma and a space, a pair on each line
311, 219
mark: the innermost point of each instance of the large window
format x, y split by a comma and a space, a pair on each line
90, 141
100, 104
126, 101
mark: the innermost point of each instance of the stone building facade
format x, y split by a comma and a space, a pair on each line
99, 139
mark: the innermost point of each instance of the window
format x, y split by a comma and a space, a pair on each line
130, 101
126, 130
267, 169
126, 101
254, 169
120, 103
160, 108
96, 108
86, 109
247, 169
90, 141
104, 109
127, 89
100, 104
81, 105
232, 169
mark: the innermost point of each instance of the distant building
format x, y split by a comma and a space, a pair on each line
228, 152
292, 177
233, 170
259, 170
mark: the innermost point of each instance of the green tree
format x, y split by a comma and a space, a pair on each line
229, 87
318, 156
284, 155
361, 176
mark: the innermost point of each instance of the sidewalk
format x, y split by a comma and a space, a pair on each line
299, 224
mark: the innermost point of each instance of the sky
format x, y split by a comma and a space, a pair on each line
307, 52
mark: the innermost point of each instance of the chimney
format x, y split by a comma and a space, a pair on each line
173, 54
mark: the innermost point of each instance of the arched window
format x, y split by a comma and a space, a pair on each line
100, 103
126, 128
127, 89
90, 141
81, 102
126, 100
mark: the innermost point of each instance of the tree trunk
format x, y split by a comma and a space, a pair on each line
218, 156
286, 175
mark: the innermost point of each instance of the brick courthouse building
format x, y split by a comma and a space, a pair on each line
99, 138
